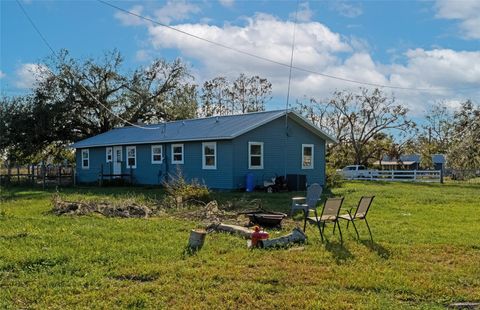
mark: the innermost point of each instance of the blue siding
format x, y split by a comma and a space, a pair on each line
275, 163
97, 158
232, 159
154, 174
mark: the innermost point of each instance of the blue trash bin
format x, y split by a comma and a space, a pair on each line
250, 182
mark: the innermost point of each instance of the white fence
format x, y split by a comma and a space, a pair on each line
403, 175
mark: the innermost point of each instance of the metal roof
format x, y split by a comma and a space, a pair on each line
403, 158
438, 158
199, 129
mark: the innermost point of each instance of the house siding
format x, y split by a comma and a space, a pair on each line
154, 174
274, 141
232, 159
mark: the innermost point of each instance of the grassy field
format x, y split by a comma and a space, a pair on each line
426, 255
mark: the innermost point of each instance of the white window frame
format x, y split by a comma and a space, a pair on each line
303, 156
161, 154
204, 162
250, 155
183, 153
111, 154
85, 151
128, 148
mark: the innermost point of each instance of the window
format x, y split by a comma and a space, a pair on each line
131, 157
157, 154
109, 154
255, 155
209, 155
177, 153
85, 159
307, 156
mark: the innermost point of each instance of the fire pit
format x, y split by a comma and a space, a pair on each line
266, 218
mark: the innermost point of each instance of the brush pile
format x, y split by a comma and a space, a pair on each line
124, 209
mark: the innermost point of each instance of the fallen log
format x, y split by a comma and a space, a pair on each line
232, 229
296, 236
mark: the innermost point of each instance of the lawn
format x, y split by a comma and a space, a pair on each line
426, 255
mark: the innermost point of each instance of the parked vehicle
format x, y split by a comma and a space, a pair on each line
355, 172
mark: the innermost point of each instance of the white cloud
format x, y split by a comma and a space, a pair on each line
347, 9
28, 75
2, 74
466, 11
175, 11
129, 19
227, 3
170, 12
304, 13
320, 49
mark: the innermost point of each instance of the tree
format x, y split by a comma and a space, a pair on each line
249, 94
464, 151
435, 133
216, 97
161, 92
357, 121
74, 99
244, 95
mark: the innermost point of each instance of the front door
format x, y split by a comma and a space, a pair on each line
117, 160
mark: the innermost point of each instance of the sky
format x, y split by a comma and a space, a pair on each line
432, 48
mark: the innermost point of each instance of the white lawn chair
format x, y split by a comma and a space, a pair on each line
314, 192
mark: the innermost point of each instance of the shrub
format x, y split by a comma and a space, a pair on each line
334, 179
180, 191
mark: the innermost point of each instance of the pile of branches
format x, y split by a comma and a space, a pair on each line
124, 209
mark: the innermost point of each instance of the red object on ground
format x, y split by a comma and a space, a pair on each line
258, 235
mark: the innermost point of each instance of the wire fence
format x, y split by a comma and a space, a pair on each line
38, 175
463, 175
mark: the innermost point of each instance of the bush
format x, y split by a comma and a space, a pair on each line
179, 191
334, 179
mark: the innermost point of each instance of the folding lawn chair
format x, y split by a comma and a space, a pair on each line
360, 214
330, 212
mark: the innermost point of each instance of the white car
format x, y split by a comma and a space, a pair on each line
354, 172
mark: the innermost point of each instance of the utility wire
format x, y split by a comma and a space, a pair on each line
274, 61
73, 76
288, 91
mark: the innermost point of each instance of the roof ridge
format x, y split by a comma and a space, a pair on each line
203, 118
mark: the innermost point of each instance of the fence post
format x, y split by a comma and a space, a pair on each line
74, 175
415, 175
60, 175
18, 174
441, 175
44, 173
9, 173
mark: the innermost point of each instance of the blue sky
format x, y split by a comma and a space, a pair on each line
416, 44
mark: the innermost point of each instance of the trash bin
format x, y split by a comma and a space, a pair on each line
250, 182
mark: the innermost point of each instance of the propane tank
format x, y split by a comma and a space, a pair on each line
258, 235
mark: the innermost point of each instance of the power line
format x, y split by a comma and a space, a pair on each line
288, 90
274, 61
73, 77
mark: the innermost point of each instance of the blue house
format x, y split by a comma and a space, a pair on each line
219, 150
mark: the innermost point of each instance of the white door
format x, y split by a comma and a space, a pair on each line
117, 160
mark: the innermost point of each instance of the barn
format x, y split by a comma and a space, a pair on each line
219, 151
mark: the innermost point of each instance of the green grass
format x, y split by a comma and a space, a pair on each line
426, 255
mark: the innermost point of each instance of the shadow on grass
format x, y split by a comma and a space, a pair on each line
377, 248
340, 253
8, 195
